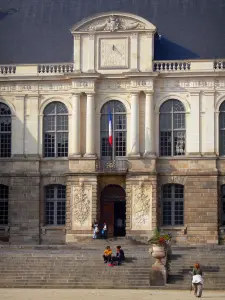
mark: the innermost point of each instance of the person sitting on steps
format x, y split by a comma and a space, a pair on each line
120, 257
107, 255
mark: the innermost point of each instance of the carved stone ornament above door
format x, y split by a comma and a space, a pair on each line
113, 21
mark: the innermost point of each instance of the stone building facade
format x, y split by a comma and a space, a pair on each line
165, 166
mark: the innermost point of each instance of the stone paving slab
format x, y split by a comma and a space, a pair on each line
37, 294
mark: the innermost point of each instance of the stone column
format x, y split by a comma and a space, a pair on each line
202, 147
90, 126
193, 125
18, 132
75, 135
149, 125
134, 147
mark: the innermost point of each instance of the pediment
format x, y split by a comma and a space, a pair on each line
113, 22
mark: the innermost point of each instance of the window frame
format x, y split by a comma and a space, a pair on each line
173, 201
55, 200
7, 115
113, 156
221, 130
222, 204
55, 132
173, 130
5, 201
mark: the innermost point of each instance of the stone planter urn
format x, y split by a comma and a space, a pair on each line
158, 252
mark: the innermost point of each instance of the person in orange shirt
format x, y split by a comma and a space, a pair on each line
107, 255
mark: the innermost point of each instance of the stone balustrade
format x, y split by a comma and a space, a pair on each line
56, 68
165, 66
66, 68
6, 70
219, 65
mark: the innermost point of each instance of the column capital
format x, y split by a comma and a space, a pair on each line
134, 93
75, 95
149, 93
90, 94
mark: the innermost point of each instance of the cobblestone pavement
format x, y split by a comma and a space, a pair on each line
42, 294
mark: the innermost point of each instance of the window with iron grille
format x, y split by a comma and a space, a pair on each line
56, 130
223, 205
4, 197
5, 131
172, 128
55, 204
173, 204
119, 130
222, 129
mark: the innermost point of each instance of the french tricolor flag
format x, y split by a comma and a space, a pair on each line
110, 128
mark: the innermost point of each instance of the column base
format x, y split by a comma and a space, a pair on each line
134, 155
149, 154
91, 156
75, 156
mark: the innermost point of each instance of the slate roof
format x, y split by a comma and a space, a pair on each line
37, 31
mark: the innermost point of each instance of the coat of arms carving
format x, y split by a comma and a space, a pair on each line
81, 200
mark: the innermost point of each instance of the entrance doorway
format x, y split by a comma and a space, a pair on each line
113, 209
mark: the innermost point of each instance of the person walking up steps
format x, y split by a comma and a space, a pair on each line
197, 280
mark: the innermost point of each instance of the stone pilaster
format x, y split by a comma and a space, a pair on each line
141, 207
81, 206
134, 140
75, 132
90, 126
149, 125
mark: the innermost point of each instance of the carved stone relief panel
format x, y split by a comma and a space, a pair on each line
141, 206
113, 23
81, 200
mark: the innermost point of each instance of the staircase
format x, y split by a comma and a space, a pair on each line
81, 266
74, 267
211, 259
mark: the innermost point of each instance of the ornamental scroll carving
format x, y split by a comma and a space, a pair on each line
114, 23
81, 205
141, 206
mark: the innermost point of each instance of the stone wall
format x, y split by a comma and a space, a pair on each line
24, 209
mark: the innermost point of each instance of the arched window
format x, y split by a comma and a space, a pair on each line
223, 205
55, 204
113, 111
5, 130
56, 130
222, 129
172, 128
4, 197
173, 204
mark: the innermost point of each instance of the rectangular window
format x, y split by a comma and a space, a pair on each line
165, 143
49, 213
167, 213
173, 204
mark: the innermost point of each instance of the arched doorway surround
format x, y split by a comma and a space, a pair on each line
113, 209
